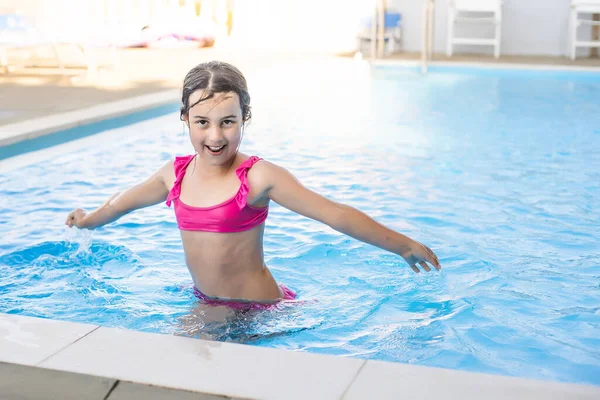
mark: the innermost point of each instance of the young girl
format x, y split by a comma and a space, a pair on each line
221, 199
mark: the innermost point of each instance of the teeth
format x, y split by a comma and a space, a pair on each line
215, 148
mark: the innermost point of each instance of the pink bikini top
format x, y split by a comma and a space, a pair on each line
233, 215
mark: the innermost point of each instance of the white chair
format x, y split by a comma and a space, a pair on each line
478, 11
392, 33
582, 7
18, 32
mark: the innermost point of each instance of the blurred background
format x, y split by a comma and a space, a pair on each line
94, 51
532, 27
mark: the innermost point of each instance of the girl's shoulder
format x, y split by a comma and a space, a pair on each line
256, 165
174, 167
180, 163
262, 173
181, 160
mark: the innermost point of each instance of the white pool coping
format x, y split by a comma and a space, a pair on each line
245, 371
30, 129
487, 65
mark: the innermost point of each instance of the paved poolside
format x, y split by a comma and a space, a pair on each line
34, 92
33, 383
50, 359
590, 62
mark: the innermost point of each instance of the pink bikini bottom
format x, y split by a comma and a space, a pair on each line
288, 294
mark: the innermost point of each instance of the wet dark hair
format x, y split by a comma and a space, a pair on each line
215, 77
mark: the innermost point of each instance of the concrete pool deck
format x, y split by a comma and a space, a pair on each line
42, 90
35, 92
41, 358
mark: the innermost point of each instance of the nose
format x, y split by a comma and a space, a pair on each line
215, 135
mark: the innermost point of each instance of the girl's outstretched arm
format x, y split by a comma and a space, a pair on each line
150, 192
284, 189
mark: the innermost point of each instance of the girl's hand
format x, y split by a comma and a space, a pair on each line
75, 218
418, 253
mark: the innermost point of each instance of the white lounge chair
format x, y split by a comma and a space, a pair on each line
17, 32
477, 11
582, 7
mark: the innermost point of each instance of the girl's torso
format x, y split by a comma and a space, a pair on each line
222, 224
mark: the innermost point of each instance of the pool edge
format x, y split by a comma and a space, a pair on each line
67, 126
487, 65
312, 374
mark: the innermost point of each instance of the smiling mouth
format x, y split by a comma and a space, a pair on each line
216, 150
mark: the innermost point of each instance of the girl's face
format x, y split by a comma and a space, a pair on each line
215, 126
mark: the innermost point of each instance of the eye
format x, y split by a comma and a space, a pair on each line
228, 122
202, 122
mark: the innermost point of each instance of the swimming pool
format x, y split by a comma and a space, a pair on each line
496, 170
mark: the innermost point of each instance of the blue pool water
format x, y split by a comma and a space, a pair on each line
497, 171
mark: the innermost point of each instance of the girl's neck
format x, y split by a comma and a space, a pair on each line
211, 171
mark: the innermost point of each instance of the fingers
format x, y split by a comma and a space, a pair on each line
433, 260
428, 256
70, 219
423, 264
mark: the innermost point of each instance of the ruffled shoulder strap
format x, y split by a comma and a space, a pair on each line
179, 166
242, 174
